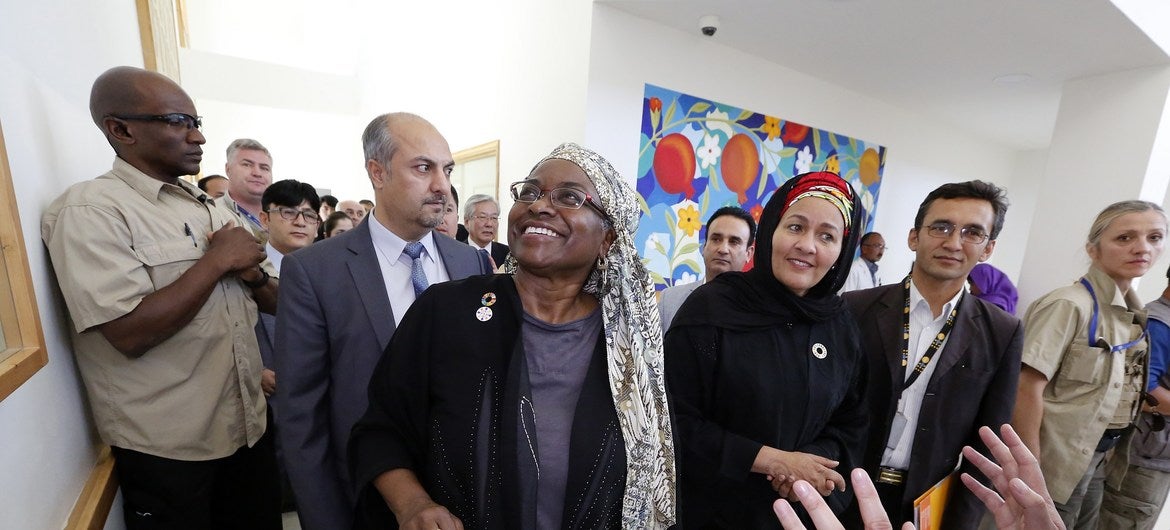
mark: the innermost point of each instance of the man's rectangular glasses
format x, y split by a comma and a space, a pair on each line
971, 235
290, 214
173, 119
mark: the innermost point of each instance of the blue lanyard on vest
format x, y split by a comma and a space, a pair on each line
250, 218
1094, 340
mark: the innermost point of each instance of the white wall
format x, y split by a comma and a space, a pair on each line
50, 53
514, 71
628, 52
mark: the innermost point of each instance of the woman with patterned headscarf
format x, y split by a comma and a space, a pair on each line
765, 368
532, 399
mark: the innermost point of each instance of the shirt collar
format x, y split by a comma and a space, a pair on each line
487, 247
149, 187
392, 245
916, 300
1103, 284
274, 256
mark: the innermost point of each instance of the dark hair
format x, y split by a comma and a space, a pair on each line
867, 236
972, 189
330, 200
455, 195
366, 202
333, 219
738, 213
203, 181
290, 193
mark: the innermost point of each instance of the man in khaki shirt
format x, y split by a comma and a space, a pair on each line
162, 285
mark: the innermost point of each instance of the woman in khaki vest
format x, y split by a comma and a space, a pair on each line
1085, 359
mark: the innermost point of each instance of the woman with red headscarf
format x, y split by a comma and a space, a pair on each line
764, 368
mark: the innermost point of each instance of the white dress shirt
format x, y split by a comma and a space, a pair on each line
396, 265
923, 328
274, 257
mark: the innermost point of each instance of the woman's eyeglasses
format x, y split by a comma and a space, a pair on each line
568, 198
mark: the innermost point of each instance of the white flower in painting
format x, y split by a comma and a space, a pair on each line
804, 160
866, 201
709, 152
687, 278
717, 121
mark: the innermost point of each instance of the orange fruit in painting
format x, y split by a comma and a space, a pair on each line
868, 167
674, 164
740, 165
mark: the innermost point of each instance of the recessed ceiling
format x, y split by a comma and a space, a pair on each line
938, 58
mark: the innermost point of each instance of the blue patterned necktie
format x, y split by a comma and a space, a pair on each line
417, 276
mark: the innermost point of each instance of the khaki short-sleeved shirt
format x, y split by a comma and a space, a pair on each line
1087, 385
113, 241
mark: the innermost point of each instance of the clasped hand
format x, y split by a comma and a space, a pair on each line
784, 468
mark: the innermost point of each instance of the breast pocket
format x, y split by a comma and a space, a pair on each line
167, 260
1082, 363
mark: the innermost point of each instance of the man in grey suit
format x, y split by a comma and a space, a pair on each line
729, 245
341, 300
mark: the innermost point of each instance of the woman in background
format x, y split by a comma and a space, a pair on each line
765, 367
991, 284
337, 223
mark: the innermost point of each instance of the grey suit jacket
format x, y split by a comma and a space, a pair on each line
672, 299
973, 385
334, 319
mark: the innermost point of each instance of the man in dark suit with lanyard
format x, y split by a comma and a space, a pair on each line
942, 363
345, 296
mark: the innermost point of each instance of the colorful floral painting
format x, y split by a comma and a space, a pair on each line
697, 156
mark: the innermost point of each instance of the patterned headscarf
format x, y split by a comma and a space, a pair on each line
633, 342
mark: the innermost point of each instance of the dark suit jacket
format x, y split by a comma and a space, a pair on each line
499, 252
333, 321
973, 385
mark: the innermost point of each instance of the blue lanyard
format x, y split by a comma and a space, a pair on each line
1094, 340
251, 218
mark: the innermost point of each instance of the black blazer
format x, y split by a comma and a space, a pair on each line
499, 252
973, 385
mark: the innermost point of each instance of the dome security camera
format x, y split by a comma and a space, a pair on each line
709, 24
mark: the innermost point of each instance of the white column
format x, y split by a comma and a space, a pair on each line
1111, 142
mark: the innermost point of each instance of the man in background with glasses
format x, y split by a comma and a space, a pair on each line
341, 301
864, 272
162, 284
481, 215
942, 364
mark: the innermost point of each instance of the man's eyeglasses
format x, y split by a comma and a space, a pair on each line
173, 119
568, 198
874, 245
290, 214
484, 217
971, 235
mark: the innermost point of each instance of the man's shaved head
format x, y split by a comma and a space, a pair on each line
122, 89
149, 121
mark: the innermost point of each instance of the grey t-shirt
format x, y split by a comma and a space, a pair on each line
558, 358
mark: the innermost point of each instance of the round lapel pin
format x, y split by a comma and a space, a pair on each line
484, 314
820, 351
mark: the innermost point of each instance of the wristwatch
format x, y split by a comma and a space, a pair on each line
256, 284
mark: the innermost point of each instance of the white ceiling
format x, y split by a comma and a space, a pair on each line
934, 57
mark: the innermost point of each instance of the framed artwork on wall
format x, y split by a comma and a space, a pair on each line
697, 155
22, 343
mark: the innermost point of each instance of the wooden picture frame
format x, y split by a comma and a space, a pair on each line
477, 170
22, 349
